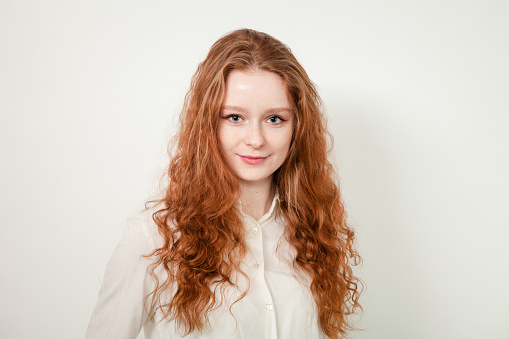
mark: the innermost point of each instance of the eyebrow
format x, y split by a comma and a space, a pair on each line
270, 110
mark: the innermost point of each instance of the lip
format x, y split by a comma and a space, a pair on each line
252, 160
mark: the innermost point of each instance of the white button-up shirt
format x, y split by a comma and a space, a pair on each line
278, 304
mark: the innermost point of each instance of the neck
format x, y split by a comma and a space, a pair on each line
257, 198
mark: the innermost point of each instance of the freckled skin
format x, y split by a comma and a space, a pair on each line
255, 125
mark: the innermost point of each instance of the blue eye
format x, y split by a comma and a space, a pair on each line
275, 119
233, 118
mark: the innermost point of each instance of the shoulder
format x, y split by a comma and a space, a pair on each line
142, 231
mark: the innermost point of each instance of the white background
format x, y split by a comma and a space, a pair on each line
417, 98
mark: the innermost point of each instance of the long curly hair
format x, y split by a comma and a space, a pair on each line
198, 219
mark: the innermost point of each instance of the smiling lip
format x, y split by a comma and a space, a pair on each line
252, 160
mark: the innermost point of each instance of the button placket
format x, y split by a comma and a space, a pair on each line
255, 240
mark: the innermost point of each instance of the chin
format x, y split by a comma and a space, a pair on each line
253, 179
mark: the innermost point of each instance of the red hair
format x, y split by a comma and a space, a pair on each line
202, 231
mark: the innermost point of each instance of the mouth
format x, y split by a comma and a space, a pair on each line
252, 160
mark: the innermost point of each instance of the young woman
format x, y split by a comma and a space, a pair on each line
250, 239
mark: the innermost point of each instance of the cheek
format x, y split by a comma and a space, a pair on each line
221, 138
287, 140
227, 138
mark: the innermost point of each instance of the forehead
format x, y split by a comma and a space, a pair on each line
256, 88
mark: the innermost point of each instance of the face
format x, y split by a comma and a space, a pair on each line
255, 125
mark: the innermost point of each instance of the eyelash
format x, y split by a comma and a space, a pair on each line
281, 120
230, 116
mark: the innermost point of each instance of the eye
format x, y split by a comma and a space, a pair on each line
275, 120
233, 118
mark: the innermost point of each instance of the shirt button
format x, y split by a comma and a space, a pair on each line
256, 265
270, 307
255, 230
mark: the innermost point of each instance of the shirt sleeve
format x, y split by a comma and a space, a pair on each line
120, 310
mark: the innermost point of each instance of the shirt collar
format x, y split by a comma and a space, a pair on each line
272, 209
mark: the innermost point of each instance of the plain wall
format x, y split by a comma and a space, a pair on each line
417, 98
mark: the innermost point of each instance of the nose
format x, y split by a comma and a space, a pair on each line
254, 136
